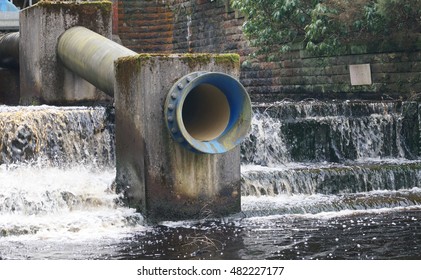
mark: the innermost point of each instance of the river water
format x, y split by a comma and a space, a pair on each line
351, 190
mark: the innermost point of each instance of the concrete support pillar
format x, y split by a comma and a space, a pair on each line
44, 80
159, 177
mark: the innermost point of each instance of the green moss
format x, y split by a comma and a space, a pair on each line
127, 59
194, 60
102, 5
228, 58
199, 59
134, 60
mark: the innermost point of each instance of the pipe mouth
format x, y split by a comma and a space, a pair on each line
208, 112
205, 112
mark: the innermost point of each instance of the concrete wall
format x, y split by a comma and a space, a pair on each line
44, 80
160, 178
212, 26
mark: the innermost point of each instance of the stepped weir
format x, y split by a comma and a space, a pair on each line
332, 148
57, 165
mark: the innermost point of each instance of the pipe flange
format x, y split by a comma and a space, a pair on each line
199, 92
173, 99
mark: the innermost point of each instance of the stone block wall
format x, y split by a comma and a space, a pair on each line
212, 26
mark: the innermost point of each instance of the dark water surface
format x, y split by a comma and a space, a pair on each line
279, 227
387, 235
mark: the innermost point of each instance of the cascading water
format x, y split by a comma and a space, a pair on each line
345, 176
56, 136
330, 148
56, 174
319, 180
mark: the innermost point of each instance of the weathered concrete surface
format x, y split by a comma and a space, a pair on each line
44, 80
161, 179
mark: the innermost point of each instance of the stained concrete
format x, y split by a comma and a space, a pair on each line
44, 80
160, 178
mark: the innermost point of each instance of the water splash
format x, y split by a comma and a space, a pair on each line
51, 202
57, 201
330, 178
56, 175
328, 206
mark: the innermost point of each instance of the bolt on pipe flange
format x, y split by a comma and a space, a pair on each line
208, 112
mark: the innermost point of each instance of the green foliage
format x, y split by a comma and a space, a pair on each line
272, 25
325, 26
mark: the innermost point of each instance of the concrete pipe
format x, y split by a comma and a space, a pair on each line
91, 56
208, 112
9, 50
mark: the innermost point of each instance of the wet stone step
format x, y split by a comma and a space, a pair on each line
286, 110
337, 132
329, 178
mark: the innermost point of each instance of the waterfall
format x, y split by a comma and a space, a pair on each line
56, 135
315, 177
331, 148
56, 175
293, 148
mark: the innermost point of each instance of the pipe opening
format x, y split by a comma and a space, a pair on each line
205, 112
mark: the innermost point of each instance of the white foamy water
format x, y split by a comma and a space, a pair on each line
56, 135
327, 206
305, 166
75, 203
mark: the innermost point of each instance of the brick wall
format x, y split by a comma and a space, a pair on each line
146, 26
180, 26
212, 26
